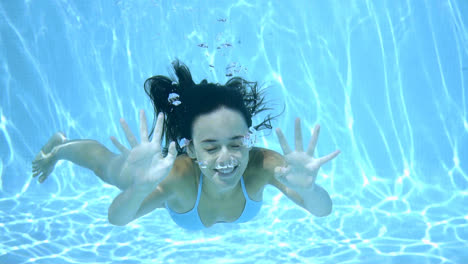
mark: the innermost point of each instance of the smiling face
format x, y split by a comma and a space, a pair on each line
217, 141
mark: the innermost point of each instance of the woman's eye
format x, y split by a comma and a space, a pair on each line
213, 149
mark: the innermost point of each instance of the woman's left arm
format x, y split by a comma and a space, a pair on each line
315, 200
295, 176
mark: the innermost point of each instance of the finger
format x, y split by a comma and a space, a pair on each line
283, 143
298, 135
282, 170
328, 157
119, 146
158, 129
281, 173
313, 141
36, 173
143, 127
128, 133
172, 153
278, 172
42, 178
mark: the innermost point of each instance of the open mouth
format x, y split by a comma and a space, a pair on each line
226, 172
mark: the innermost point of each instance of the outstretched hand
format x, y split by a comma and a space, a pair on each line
145, 163
302, 168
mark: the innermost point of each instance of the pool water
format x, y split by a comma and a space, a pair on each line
386, 80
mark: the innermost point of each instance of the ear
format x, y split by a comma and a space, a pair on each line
191, 150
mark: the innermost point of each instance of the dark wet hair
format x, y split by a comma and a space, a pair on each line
197, 99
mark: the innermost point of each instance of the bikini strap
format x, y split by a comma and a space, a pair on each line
246, 195
199, 190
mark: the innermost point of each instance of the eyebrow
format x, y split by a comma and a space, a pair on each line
213, 140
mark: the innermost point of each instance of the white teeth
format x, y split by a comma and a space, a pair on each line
225, 171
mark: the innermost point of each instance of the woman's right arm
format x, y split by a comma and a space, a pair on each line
125, 206
134, 203
145, 167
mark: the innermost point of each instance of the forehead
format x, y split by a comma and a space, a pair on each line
220, 124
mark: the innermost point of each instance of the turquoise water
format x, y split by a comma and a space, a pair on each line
386, 80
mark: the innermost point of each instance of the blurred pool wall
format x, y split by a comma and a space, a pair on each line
386, 81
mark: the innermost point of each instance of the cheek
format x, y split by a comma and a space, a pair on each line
244, 161
207, 172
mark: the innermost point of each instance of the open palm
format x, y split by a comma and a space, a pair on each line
302, 167
145, 163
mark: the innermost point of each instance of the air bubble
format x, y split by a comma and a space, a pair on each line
203, 164
183, 142
227, 165
174, 99
250, 138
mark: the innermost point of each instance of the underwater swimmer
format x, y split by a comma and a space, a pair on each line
210, 172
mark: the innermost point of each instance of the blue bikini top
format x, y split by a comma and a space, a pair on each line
191, 220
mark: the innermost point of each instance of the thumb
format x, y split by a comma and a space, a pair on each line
281, 172
172, 152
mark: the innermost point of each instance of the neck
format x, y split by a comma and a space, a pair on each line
214, 192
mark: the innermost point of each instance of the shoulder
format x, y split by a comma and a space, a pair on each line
183, 165
183, 168
181, 174
264, 161
267, 160
171, 187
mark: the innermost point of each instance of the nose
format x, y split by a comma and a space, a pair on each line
224, 156
226, 160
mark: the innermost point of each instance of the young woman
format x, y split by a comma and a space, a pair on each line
208, 171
